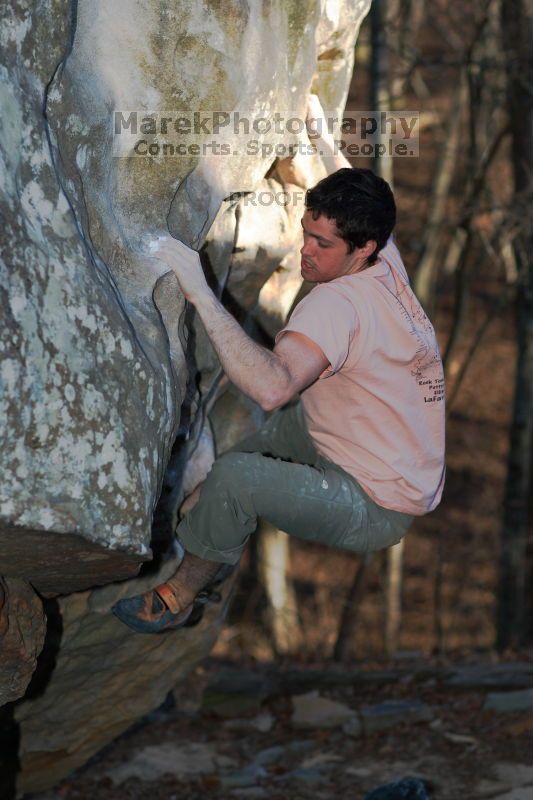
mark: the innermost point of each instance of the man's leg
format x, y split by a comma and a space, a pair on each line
283, 435
319, 503
170, 604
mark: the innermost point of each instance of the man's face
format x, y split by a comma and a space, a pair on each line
324, 254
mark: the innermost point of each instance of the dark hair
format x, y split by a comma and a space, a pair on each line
360, 203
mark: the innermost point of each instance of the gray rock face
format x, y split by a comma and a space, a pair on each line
102, 363
91, 404
94, 357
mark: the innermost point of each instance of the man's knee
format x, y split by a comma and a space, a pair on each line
385, 535
235, 469
383, 542
230, 484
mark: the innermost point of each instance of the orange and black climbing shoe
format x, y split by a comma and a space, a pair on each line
156, 611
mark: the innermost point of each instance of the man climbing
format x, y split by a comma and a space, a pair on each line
355, 446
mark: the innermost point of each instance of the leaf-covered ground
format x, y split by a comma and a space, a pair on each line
207, 742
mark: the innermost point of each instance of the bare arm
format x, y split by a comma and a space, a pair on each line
317, 129
296, 169
270, 378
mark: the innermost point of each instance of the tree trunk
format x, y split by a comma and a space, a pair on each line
517, 30
405, 17
427, 267
379, 82
346, 633
393, 596
274, 559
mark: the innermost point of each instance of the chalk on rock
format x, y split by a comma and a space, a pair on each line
153, 243
150, 241
406, 789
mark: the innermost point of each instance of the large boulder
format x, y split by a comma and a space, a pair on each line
104, 678
106, 374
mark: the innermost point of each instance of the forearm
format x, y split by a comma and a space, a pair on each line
321, 136
258, 372
332, 158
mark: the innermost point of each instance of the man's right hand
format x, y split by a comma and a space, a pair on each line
185, 264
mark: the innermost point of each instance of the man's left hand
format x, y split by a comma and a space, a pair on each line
185, 264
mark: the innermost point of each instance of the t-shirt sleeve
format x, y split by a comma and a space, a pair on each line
329, 320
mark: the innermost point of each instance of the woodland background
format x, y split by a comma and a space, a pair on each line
418, 635
461, 581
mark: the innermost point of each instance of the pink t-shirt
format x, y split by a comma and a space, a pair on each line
378, 409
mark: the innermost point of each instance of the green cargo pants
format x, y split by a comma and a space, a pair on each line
278, 475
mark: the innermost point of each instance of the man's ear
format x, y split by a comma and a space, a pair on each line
368, 248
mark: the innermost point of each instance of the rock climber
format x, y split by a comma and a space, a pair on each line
354, 448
